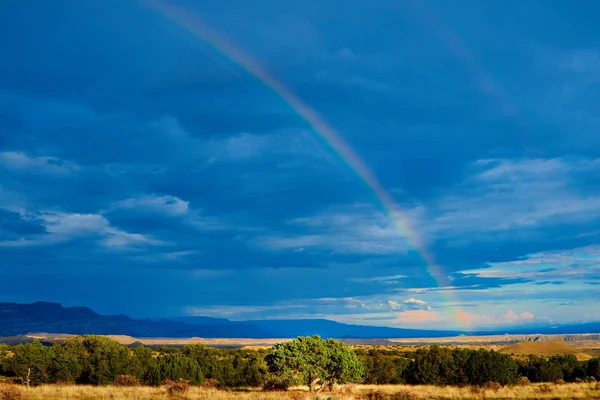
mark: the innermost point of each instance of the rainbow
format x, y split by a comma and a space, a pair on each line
320, 127
485, 82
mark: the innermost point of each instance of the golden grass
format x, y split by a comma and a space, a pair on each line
347, 392
540, 348
545, 349
532, 391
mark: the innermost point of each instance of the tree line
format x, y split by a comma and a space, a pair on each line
311, 361
438, 365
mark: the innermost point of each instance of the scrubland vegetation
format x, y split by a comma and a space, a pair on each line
95, 367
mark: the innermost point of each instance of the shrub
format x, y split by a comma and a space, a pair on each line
523, 381
375, 395
403, 395
379, 395
211, 383
474, 389
12, 392
274, 384
495, 386
176, 388
126, 380
545, 388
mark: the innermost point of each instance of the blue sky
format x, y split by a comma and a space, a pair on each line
142, 171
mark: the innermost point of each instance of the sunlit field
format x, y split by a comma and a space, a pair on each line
347, 392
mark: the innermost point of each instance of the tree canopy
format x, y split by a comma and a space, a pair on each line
314, 362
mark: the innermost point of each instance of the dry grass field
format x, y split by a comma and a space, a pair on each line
545, 349
348, 392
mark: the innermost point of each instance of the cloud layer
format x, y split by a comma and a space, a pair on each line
132, 159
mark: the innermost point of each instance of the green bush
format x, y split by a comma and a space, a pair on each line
126, 380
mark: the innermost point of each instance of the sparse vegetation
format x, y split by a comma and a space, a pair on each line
12, 392
126, 380
176, 388
98, 365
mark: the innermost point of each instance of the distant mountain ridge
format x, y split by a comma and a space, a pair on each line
20, 319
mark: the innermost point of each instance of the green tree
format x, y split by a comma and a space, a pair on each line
178, 366
254, 370
208, 359
491, 366
431, 366
144, 366
569, 365
66, 367
101, 359
592, 368
382, 369
461, 359
314, 361
538, 369
4, 349
31, 362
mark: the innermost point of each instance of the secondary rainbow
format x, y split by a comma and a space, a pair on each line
321, 128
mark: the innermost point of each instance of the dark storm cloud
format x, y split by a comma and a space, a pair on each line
130, 148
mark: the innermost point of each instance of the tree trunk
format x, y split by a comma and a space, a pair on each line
313, 384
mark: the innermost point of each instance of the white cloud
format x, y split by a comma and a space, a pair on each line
64, 227
246, 146
415, 301
415, 304
393, 304
513, 195
501, 198
559, 266
18, 161
169, 205
391, 279
118, 239
233, 310
74, 224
